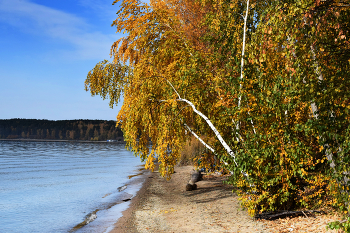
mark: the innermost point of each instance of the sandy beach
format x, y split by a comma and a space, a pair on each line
165, 206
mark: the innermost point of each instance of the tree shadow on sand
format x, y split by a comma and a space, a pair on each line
210, 190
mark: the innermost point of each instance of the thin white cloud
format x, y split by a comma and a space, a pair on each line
40, 20
101, 6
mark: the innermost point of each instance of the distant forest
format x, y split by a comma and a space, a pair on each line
94, 130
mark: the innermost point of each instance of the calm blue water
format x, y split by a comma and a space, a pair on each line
54, 186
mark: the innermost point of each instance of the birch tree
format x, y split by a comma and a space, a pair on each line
243, 74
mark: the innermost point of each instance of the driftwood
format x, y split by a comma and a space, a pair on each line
190, 187
283, 214
195, 177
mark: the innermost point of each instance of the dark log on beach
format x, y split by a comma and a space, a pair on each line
190, 187
195, 177
284, 214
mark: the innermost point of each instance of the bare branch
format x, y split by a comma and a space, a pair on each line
205, 144
212, 127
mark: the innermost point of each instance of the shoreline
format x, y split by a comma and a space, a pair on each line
59, 140
102, 219
126, 222
165, 206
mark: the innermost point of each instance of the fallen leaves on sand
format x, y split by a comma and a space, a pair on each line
301, 224
167, 211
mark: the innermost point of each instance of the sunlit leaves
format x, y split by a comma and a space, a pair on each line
296, 56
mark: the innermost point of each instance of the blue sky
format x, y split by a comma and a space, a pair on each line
47, 47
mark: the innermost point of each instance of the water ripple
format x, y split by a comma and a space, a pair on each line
53, 185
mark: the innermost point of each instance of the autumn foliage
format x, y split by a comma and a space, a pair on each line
272, 77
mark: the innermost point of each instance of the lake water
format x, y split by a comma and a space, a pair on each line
56, 186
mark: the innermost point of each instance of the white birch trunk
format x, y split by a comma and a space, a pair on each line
243, 51
314, 110
212, 127
242, 68
203, 142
